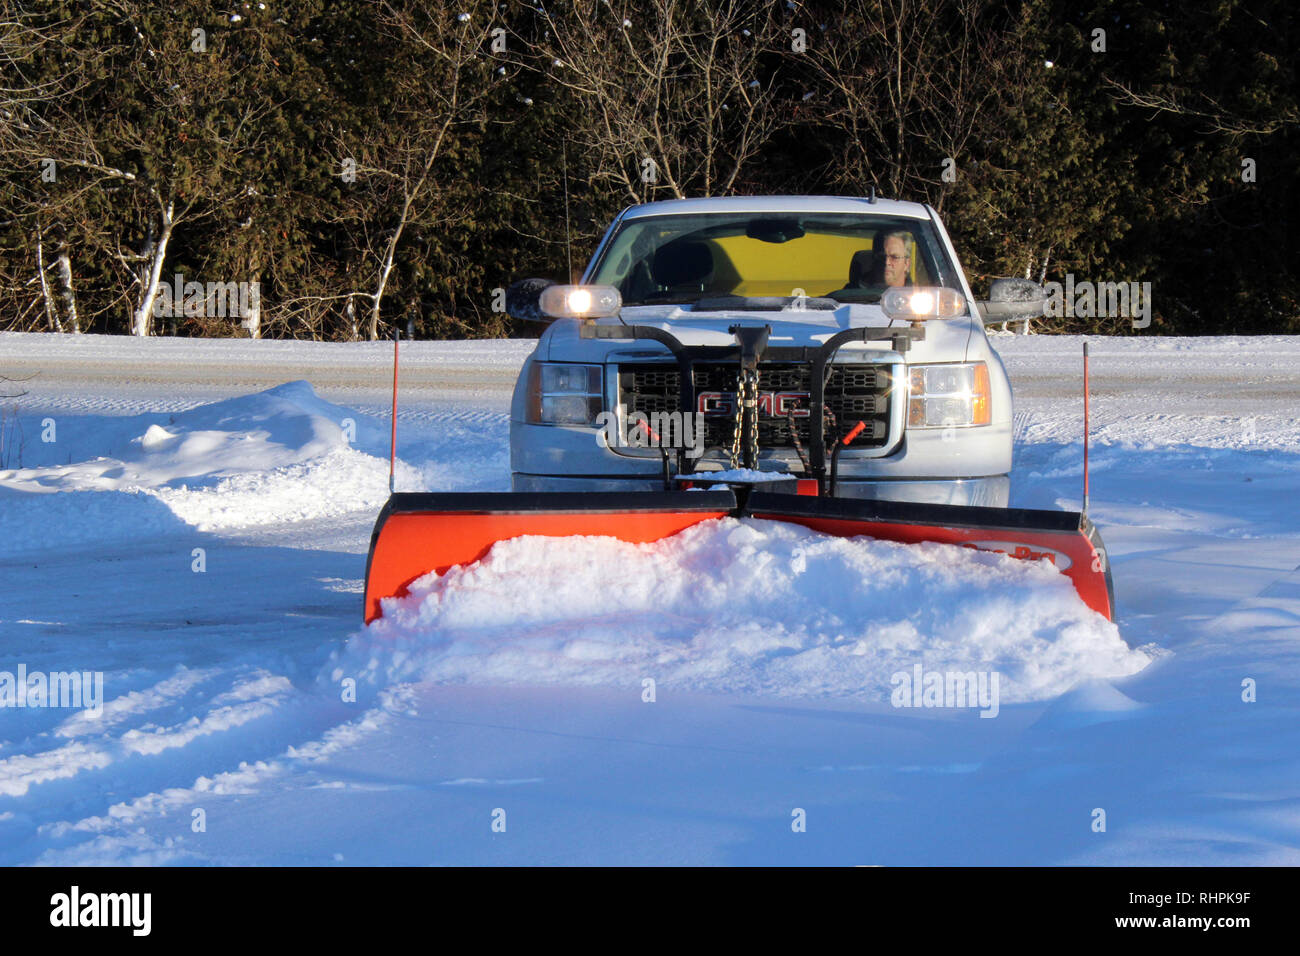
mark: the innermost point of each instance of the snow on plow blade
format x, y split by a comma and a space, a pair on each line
1066, 538
418, 533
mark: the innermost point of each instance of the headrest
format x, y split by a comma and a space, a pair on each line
682, 263
860, 268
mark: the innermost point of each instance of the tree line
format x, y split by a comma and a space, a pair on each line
368, 164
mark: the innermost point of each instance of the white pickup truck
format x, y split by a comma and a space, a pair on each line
701, 328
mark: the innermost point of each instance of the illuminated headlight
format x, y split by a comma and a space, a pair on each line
943, 396
580, 301
564, 394
921, 303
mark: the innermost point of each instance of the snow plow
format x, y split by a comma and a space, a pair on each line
673, 387
421, 532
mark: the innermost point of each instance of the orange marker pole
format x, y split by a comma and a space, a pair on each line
392, 437
1086, 391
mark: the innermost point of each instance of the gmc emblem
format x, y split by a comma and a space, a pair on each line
770, 404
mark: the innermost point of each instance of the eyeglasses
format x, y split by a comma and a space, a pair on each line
897, 258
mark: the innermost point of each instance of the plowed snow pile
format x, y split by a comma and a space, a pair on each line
279, 455
740, 606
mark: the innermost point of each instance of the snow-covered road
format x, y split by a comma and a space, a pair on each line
201, 541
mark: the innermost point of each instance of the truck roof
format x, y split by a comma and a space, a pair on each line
803, 204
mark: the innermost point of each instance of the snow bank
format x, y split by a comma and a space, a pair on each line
281, 426
36, 522
740, 606
283, 454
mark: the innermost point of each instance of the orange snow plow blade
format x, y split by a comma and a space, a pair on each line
419, 533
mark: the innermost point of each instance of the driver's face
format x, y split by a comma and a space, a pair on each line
895, 261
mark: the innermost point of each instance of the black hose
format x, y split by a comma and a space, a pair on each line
840, 444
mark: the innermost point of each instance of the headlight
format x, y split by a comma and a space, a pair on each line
942, 396
580, 301
917, 304
564, 394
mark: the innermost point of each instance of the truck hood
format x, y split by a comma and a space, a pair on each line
946, 340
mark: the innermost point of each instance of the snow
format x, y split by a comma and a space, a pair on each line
520, 683
741, 607
277, 455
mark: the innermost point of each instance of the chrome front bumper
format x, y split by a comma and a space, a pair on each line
991, 492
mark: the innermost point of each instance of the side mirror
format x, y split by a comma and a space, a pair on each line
1012, 300
523, 300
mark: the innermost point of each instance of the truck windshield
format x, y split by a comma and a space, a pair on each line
848, 257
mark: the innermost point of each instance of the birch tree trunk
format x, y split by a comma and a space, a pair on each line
51, 313
142, 323
64, 265
409, 194
378, 294
253, 313
253, 321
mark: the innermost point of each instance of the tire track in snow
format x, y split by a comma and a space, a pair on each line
134, 703
249, 728
105, 838
245, 702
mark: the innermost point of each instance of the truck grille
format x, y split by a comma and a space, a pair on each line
853, 393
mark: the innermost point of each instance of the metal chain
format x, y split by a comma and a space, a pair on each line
746, 397
751, 402
737, 428
796, 441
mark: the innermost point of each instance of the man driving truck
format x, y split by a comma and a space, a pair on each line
896, 251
